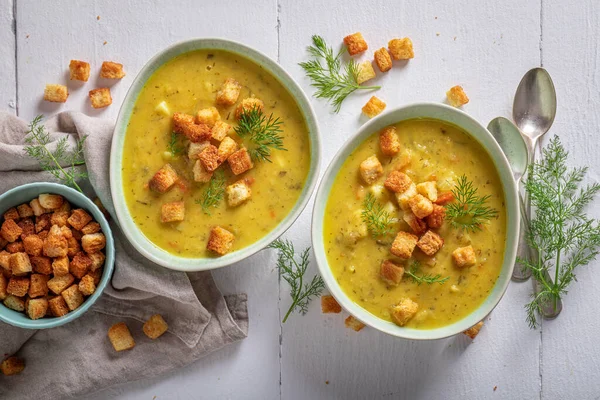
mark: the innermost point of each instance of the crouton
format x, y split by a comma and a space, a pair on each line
238, 193
43, 222
436, 218
430, 243
73, 297
155, 326
171, 212
36, 308
120, 337
355, 43
353, 324
401, 49
97, 260
97, 275
11, 213
79, 70
15, 247
444, 198
10, 231
33, 245
391, 273
208, 116
240, 161
20, 264
329, 305
464, 257
80, 265
197, 133
220, 130
28, 227
38, 285
59, 218
457, 96
60, 266
181, 121
201, 174
248, 105
56, 93
473, 331
87, 286
14, 303
365, 72
100, 97
229, 92
417, 225
12, 366
194, 149
24, 211
420, 206
79, 218
373, 107
227, 147
93, 242
66, 207
5, 263
18, 286
402, 312
59, 283
112, 70
405, 197
428, 189
58, 307
370, 170
209, 157
3, 287
389, 143
397, 182
404, 244
163, 179
41, 265
383, 59
73, 244
220, 240
55, 245
91, 227
37, 208
50, 201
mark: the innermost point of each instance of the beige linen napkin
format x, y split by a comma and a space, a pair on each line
77, 359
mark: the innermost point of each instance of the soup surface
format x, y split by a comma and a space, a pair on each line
430, 151
187, 84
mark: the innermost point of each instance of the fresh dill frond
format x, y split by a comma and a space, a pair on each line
562, 237
379, 222
264, 133
332, 80
294, 272
214, 193
469, 210
174, 146
60, 162
415, 268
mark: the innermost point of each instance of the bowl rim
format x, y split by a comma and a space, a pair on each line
424, 110
133, 234
68, 193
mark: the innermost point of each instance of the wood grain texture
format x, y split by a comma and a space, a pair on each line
8, 96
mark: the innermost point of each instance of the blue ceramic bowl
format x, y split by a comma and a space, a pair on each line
24, 194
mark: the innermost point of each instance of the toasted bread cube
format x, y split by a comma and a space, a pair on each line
417, 225
197, 133
404, 244
58, 307
5, 262
171, 212
404, 311
41, 265
229, 92
220, 130
112, 70
87, 286
55, 245
240, 161
79, 218
73, 297
437, 216
56, 93
430, 243
97, 260
397, 182
12, 366
36, 308
66, 206
38, 285
355, 43
220, 240
28, 227
238, 193
383, 59
60, 266
353, 324
93, 242
20, 264
18, 286
91, 227
163, 179
100, 97
365, 72
24, 211
181, 121
79, 70
401, 49
80, 265
14, 303
329, 305
120, 337
73, 245
209, 157
59, 283
405, 197
374, 106
43, 222
97, 275
201, 174
473, 331
50, 201
227, 147
428, 189
457, 96
391, 273
59, 218
194, 149
208, 116
11, 213
15, 247
10, 231
370, 170
444, 198
3, 287
33, 245
464, 257
37, 208
155, 326
389, 143
248, 105
421, 206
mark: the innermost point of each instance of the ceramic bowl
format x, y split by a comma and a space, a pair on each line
132, 232
24, 194
448, 115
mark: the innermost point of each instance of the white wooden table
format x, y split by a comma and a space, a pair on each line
485, 46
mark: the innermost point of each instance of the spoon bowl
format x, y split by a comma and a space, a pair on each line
534, 107
512, 144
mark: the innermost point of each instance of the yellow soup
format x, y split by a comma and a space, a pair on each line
187, 84
430, 151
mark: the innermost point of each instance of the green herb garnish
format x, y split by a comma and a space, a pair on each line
378, 221
293, 272
174, 146
61, 162
264, 133
332, 80
214, 193
415, 268
560, 234
468, 211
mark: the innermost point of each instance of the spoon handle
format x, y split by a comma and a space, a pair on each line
523, 251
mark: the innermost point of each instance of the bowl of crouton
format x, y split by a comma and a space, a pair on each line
56, 255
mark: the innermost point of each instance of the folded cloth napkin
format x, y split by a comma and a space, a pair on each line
77, 358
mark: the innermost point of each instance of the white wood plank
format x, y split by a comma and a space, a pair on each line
8, 97
486, 49
570, 366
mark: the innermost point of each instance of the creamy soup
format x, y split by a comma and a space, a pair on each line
429, 151
187, 84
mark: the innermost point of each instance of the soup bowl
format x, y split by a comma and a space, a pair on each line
447, 115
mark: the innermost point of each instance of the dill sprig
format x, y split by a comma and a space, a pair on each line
61, 162
264, 133
378, 221
174, 146
332, 80
214, 193
293, 272
415, 268
468, 211
560, 234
